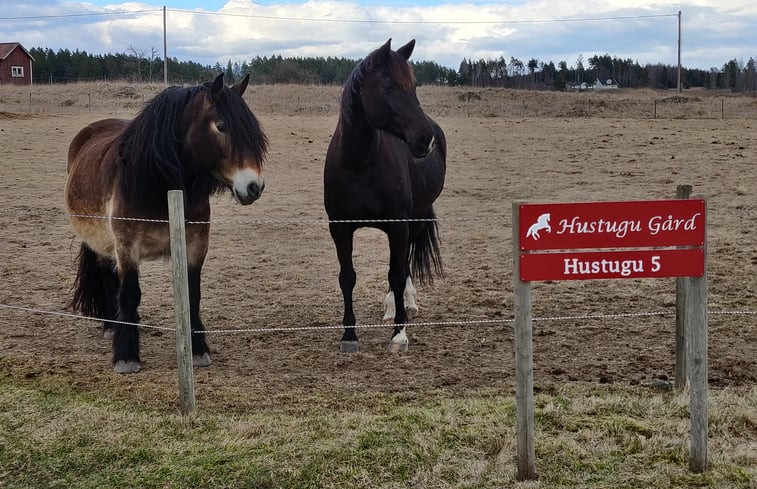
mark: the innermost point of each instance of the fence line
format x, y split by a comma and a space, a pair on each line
79, 316
330, 327
304, 220
284, 329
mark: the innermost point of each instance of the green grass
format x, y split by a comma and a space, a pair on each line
587, 436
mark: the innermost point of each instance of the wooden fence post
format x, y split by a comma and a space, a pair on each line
524, 365
181, 301
681, 368
695, 323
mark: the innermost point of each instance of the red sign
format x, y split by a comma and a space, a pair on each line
638, 224
612, 264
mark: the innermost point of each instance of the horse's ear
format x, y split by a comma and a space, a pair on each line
241, 86
406, 50
217, 86
382, 53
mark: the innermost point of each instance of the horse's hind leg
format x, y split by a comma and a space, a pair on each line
110, 290
200, 350
95, 287
126, 336
411, 306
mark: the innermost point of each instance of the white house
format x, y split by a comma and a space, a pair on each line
608, 84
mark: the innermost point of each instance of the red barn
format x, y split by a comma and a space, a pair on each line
15, 64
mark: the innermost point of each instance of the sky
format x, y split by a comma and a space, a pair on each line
446, 31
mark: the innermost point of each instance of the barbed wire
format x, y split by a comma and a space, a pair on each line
285, 329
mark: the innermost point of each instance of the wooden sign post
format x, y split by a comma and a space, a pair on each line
610, 240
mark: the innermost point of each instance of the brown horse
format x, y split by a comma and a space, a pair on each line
385, 166
200, 140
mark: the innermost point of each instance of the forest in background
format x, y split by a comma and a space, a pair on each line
64, 66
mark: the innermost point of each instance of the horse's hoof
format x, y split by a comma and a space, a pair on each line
127, 366
398, 342
412, 312
349, 347
109, 333
396, 347
201, 360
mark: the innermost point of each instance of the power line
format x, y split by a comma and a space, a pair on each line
378, 21
346, 21
88, 14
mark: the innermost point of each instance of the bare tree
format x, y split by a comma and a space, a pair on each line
153, 58
139, 57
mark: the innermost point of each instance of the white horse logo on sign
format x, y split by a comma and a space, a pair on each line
541, 223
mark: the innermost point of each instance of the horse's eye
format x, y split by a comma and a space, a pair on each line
220, 126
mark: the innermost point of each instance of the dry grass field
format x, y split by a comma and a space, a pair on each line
273, 264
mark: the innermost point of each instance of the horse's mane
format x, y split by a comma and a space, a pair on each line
398, 69
150, 153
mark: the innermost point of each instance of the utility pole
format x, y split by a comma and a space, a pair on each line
679, 52
165, 51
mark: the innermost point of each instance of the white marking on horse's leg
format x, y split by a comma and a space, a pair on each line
410, 305
201, 360
398, 342
127, 367
109, 333
389, 308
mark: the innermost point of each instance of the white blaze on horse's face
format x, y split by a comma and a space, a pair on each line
431, 145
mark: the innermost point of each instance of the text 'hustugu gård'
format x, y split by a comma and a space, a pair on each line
621, 228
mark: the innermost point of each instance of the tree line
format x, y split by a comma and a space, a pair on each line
140, 66
64, 66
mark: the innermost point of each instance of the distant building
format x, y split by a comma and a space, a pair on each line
15, 64
580, 87
609, 84
598, 85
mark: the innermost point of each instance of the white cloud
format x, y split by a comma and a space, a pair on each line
712, 33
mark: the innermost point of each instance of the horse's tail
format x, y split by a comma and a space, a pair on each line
89, 286
425, 257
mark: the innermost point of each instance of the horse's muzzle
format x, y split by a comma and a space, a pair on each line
253, 192
247, 185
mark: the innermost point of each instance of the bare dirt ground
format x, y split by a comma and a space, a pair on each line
271, 266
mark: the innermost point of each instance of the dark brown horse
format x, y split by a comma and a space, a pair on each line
385, 163
200, 140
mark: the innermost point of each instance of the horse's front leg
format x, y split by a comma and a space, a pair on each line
126, 336
200, 350
398, 275
342, 235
